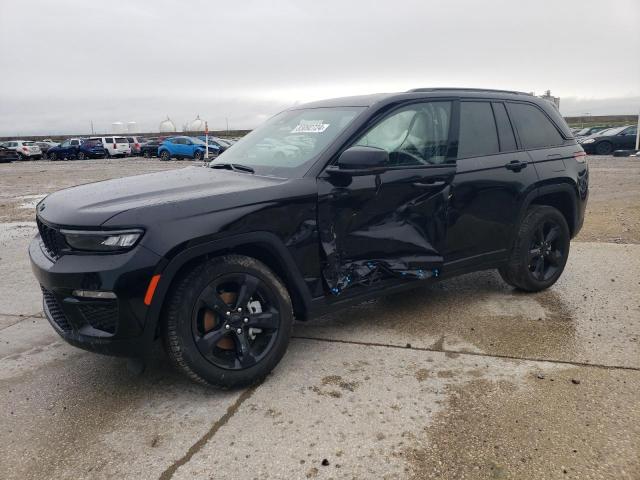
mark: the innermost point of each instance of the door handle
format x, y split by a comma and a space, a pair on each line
429, 184
515, 165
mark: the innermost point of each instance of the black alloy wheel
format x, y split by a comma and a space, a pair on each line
235, 321
540, 250
81, 156
227, 321
165, 155
197, 155
546, 251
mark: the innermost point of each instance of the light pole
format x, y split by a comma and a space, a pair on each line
638, 134
206, 140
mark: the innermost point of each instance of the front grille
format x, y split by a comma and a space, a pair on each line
101, 316
55, 310
52, 240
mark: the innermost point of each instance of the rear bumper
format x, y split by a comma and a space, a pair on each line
116, 326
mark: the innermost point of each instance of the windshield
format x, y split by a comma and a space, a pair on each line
288, 144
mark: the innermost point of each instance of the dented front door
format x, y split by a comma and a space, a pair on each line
391, 224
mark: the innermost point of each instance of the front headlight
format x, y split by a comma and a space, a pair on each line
588, 140
102, 241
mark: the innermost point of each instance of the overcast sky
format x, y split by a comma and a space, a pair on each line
66, 63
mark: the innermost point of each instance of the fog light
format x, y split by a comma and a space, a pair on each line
94, 294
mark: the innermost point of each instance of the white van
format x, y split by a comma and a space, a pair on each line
115, 146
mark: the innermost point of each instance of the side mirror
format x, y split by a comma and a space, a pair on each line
361, 161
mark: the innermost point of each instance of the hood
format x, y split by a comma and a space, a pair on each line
93, 204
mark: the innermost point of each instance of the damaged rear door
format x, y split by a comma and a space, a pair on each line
380, 221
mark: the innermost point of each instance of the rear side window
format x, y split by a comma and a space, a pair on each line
478, 135
108, 139
505, 131
121, 140
534, 128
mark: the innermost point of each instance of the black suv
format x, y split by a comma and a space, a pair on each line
326, 204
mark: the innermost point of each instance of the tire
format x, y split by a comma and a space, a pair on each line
107, 154
21, 157
81, 156
165, 155
146, 154
604, 148
225, 351
540, 250
197, 155
53, 156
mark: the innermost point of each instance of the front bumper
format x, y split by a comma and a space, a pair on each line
110, 326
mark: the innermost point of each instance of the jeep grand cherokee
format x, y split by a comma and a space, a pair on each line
326, 204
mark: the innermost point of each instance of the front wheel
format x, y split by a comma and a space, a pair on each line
604, 148
165, 155
197, 155
81, 156
540, 251
53, 156
228, 322
146, 154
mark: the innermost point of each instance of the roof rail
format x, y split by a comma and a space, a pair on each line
466, 90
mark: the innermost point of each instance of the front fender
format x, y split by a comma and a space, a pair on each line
169, 269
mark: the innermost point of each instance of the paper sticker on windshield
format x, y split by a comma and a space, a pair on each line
310, 126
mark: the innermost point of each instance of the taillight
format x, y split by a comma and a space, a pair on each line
114, 146
580, 157
137, 145
26, 149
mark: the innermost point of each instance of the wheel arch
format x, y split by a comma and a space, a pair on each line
561, 196
263, 246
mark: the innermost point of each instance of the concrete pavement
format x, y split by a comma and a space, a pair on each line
464, 379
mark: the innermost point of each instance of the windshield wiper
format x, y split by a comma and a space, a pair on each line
236, 167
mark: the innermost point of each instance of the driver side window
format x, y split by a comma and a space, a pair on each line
414, 135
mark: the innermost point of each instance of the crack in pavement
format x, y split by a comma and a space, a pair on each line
196, 447
19, 319
476, 354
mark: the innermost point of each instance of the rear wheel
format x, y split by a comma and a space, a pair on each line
540, 252
604, 148
228, 322
165, 155
146, 154
21, 156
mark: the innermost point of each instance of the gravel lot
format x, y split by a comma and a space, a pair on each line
463, 379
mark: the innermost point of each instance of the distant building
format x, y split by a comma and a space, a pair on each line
198, 125
550, 98
167, 126
117, 127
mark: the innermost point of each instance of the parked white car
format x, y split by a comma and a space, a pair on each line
25, 149
115, 146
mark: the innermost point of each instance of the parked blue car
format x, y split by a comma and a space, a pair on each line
181, 147
76, 149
